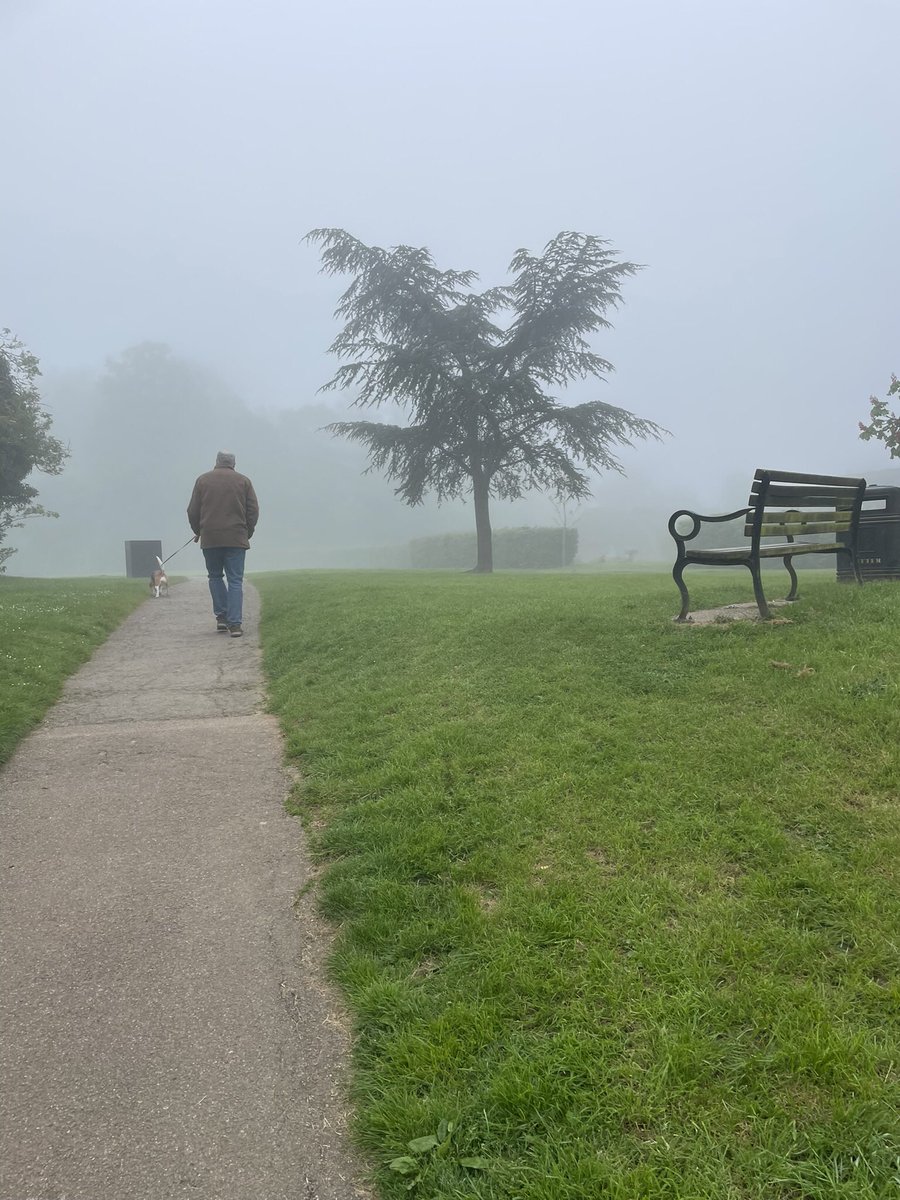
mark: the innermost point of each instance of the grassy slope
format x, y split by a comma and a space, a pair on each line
48, 628
617, 898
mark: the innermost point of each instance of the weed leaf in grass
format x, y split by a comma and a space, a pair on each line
404, 1165
422, 1144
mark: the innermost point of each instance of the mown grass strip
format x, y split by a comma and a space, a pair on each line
48, 628
616, 900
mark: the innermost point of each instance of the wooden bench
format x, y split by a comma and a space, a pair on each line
783, 505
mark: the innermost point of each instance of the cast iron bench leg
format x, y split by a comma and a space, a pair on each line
758, 591
677, 575
792, 594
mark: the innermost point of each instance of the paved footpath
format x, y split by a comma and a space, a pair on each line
165, 1027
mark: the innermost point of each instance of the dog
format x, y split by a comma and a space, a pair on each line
159, 581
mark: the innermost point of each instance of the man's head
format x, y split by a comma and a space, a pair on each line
224, 459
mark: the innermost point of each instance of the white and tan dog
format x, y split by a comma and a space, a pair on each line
159, 581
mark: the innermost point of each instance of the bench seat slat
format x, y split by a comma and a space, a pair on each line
771, 550
779, 550
718, 554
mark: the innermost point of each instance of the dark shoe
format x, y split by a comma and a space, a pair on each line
221, 625
235, 631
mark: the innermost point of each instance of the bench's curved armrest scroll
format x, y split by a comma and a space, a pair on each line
698, 519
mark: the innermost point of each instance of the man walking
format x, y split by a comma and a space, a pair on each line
223, 513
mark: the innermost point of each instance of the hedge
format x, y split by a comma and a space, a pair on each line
530, 548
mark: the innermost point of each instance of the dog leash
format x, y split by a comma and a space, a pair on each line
178, 551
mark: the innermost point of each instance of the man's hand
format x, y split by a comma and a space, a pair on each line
196, 537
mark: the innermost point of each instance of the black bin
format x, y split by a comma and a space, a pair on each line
140, 558
878, 545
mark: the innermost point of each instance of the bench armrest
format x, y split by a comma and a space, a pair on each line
699, 519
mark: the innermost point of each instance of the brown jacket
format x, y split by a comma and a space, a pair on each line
223, 509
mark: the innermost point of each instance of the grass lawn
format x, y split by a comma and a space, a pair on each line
48, 628
616, 900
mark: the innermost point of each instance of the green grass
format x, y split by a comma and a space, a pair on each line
48, 628
617, 899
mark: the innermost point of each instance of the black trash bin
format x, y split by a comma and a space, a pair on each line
140, 558
878, 544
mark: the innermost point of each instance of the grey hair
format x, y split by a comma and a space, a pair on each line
224, 459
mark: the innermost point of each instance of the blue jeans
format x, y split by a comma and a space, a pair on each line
228, 593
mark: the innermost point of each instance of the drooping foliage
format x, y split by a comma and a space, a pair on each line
476, 373
26, 443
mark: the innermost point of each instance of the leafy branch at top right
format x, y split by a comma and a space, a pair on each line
883, 424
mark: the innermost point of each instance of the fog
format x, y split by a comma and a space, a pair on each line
163, 162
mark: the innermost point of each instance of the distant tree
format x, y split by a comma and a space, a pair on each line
883, 424
566, 518
482, 419
26, 443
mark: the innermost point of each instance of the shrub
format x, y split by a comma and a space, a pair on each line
529, 548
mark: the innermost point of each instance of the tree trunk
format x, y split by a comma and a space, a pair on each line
485, 559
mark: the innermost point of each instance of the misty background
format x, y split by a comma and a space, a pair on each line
163, 162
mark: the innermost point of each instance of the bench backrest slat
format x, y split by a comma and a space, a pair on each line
796, 477
788, 504
772, 527
802, 497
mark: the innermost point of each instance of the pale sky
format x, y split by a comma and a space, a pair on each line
163, 161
